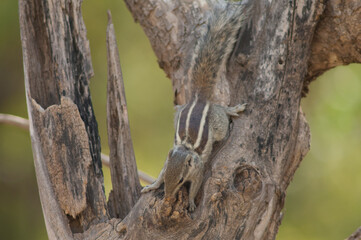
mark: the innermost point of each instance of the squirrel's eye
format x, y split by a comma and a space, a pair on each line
190, 162
181, 180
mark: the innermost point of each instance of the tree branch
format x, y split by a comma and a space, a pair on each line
337, 39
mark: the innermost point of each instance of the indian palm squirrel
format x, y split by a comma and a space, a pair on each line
200, 122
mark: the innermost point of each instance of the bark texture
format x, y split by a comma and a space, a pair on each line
63, 129
122, 160
284, 46
337, 39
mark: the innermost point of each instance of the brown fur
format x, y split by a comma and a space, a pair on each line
184, 163
213, 50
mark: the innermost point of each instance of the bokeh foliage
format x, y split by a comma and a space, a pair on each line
323, 201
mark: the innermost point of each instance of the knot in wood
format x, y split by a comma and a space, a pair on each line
248, 182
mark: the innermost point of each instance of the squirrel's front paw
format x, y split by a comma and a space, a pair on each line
148, 188
240, 107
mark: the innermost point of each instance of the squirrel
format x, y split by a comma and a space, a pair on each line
200, 122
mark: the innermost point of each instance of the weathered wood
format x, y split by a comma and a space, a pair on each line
63, 129
123, 168
244, 185
337, 39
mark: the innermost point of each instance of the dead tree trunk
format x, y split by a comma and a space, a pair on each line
286, 45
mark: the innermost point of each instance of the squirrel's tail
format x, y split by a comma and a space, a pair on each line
213, 49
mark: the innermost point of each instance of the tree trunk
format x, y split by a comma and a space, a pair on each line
63, 129
284, 46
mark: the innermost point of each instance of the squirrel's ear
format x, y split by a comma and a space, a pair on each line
170, 153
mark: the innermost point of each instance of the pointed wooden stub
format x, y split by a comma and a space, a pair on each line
123, 168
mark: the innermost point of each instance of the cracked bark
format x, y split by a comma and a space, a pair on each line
285, 45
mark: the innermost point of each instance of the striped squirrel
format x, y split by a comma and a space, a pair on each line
199, 123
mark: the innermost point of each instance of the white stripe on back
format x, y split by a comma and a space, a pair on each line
189, 117
201, 126
178, 139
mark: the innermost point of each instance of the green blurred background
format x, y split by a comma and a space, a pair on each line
323, 201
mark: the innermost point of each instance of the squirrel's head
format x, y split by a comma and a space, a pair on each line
182, 166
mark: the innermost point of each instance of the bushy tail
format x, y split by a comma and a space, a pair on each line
213, 49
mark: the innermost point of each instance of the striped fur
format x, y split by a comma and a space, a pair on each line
193, 126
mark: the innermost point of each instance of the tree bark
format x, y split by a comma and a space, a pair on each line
122, 160
283, 47
337, 39
63, 129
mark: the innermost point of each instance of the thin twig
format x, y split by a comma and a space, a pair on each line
23, 123
14, 120
142, 175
